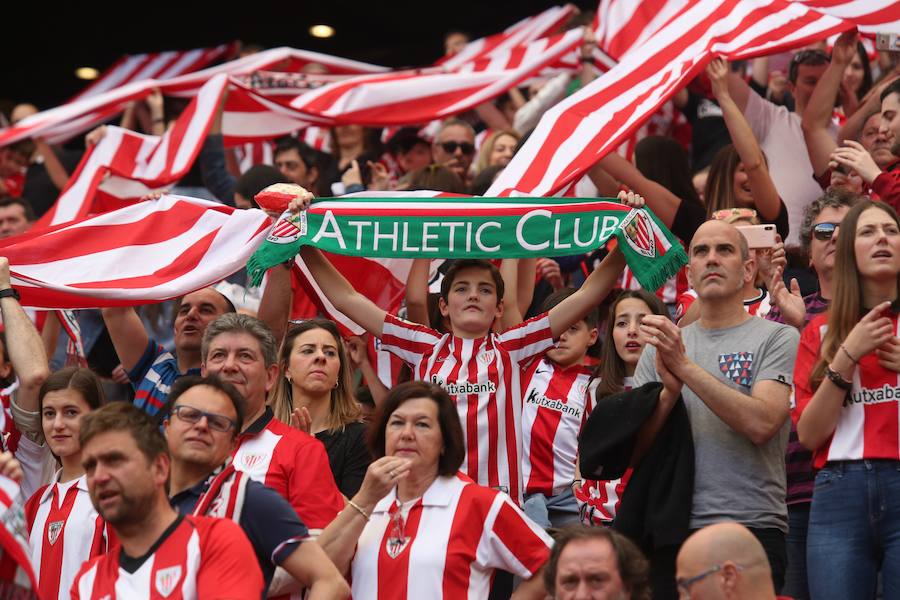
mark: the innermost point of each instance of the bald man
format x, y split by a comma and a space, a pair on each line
734, 372
724, 561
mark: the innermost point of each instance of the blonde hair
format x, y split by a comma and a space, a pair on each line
487, 148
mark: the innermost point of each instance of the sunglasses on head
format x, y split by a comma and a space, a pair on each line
450, 147
824, 231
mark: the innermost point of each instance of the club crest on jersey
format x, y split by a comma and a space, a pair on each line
53, 531
638, 230
288, 229
394, 546
250, 461
167, 580
485, 357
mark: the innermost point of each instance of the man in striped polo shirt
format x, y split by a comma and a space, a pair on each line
152, 369
161, 553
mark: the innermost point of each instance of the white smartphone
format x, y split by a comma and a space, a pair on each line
758, 236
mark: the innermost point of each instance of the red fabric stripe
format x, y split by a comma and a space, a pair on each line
512, 530
473, 210
393, 573
73, 242
52, 554
513, 429
546, 422
189, 260
491, 409
465, 533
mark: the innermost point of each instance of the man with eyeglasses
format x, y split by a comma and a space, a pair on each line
207, 415
724, 560
780, 134
454, 147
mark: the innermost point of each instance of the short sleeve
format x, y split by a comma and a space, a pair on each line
408, 341
513, 542
228, 569
528, 339
271, 523
777, 362
311, 489
142, 367
645, 371
759, 113
807, 355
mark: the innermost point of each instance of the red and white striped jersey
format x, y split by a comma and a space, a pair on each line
867, 426
64, 531
197, 557
484, 378
555, 408
387, 365
294, 464
467, 532
759, 305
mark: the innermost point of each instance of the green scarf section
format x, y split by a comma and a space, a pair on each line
396, 226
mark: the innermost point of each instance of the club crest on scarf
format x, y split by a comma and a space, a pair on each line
737, 367
167, 579
53, 531
638, 233
288, 229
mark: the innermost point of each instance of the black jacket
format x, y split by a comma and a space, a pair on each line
656, 506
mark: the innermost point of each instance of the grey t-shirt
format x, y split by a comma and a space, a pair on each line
734, 478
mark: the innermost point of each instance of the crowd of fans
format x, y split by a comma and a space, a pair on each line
530, 429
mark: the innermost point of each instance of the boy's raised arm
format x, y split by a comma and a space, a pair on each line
341, 294
595, 288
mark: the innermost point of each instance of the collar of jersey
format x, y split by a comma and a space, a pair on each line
439, 493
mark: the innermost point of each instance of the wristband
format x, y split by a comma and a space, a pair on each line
849, 355
837, 379
359, 509
576, 482
10, 293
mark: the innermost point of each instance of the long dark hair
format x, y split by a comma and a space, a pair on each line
611, 369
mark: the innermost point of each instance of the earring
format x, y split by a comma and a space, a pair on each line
288, 377
336, 384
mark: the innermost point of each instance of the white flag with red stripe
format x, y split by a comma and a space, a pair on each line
573, 135
156, 65
147, 252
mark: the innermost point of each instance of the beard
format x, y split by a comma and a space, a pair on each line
130, 510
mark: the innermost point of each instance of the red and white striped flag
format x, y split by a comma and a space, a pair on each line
573, 135
527, 30
126, 165
147, 252
156, 65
